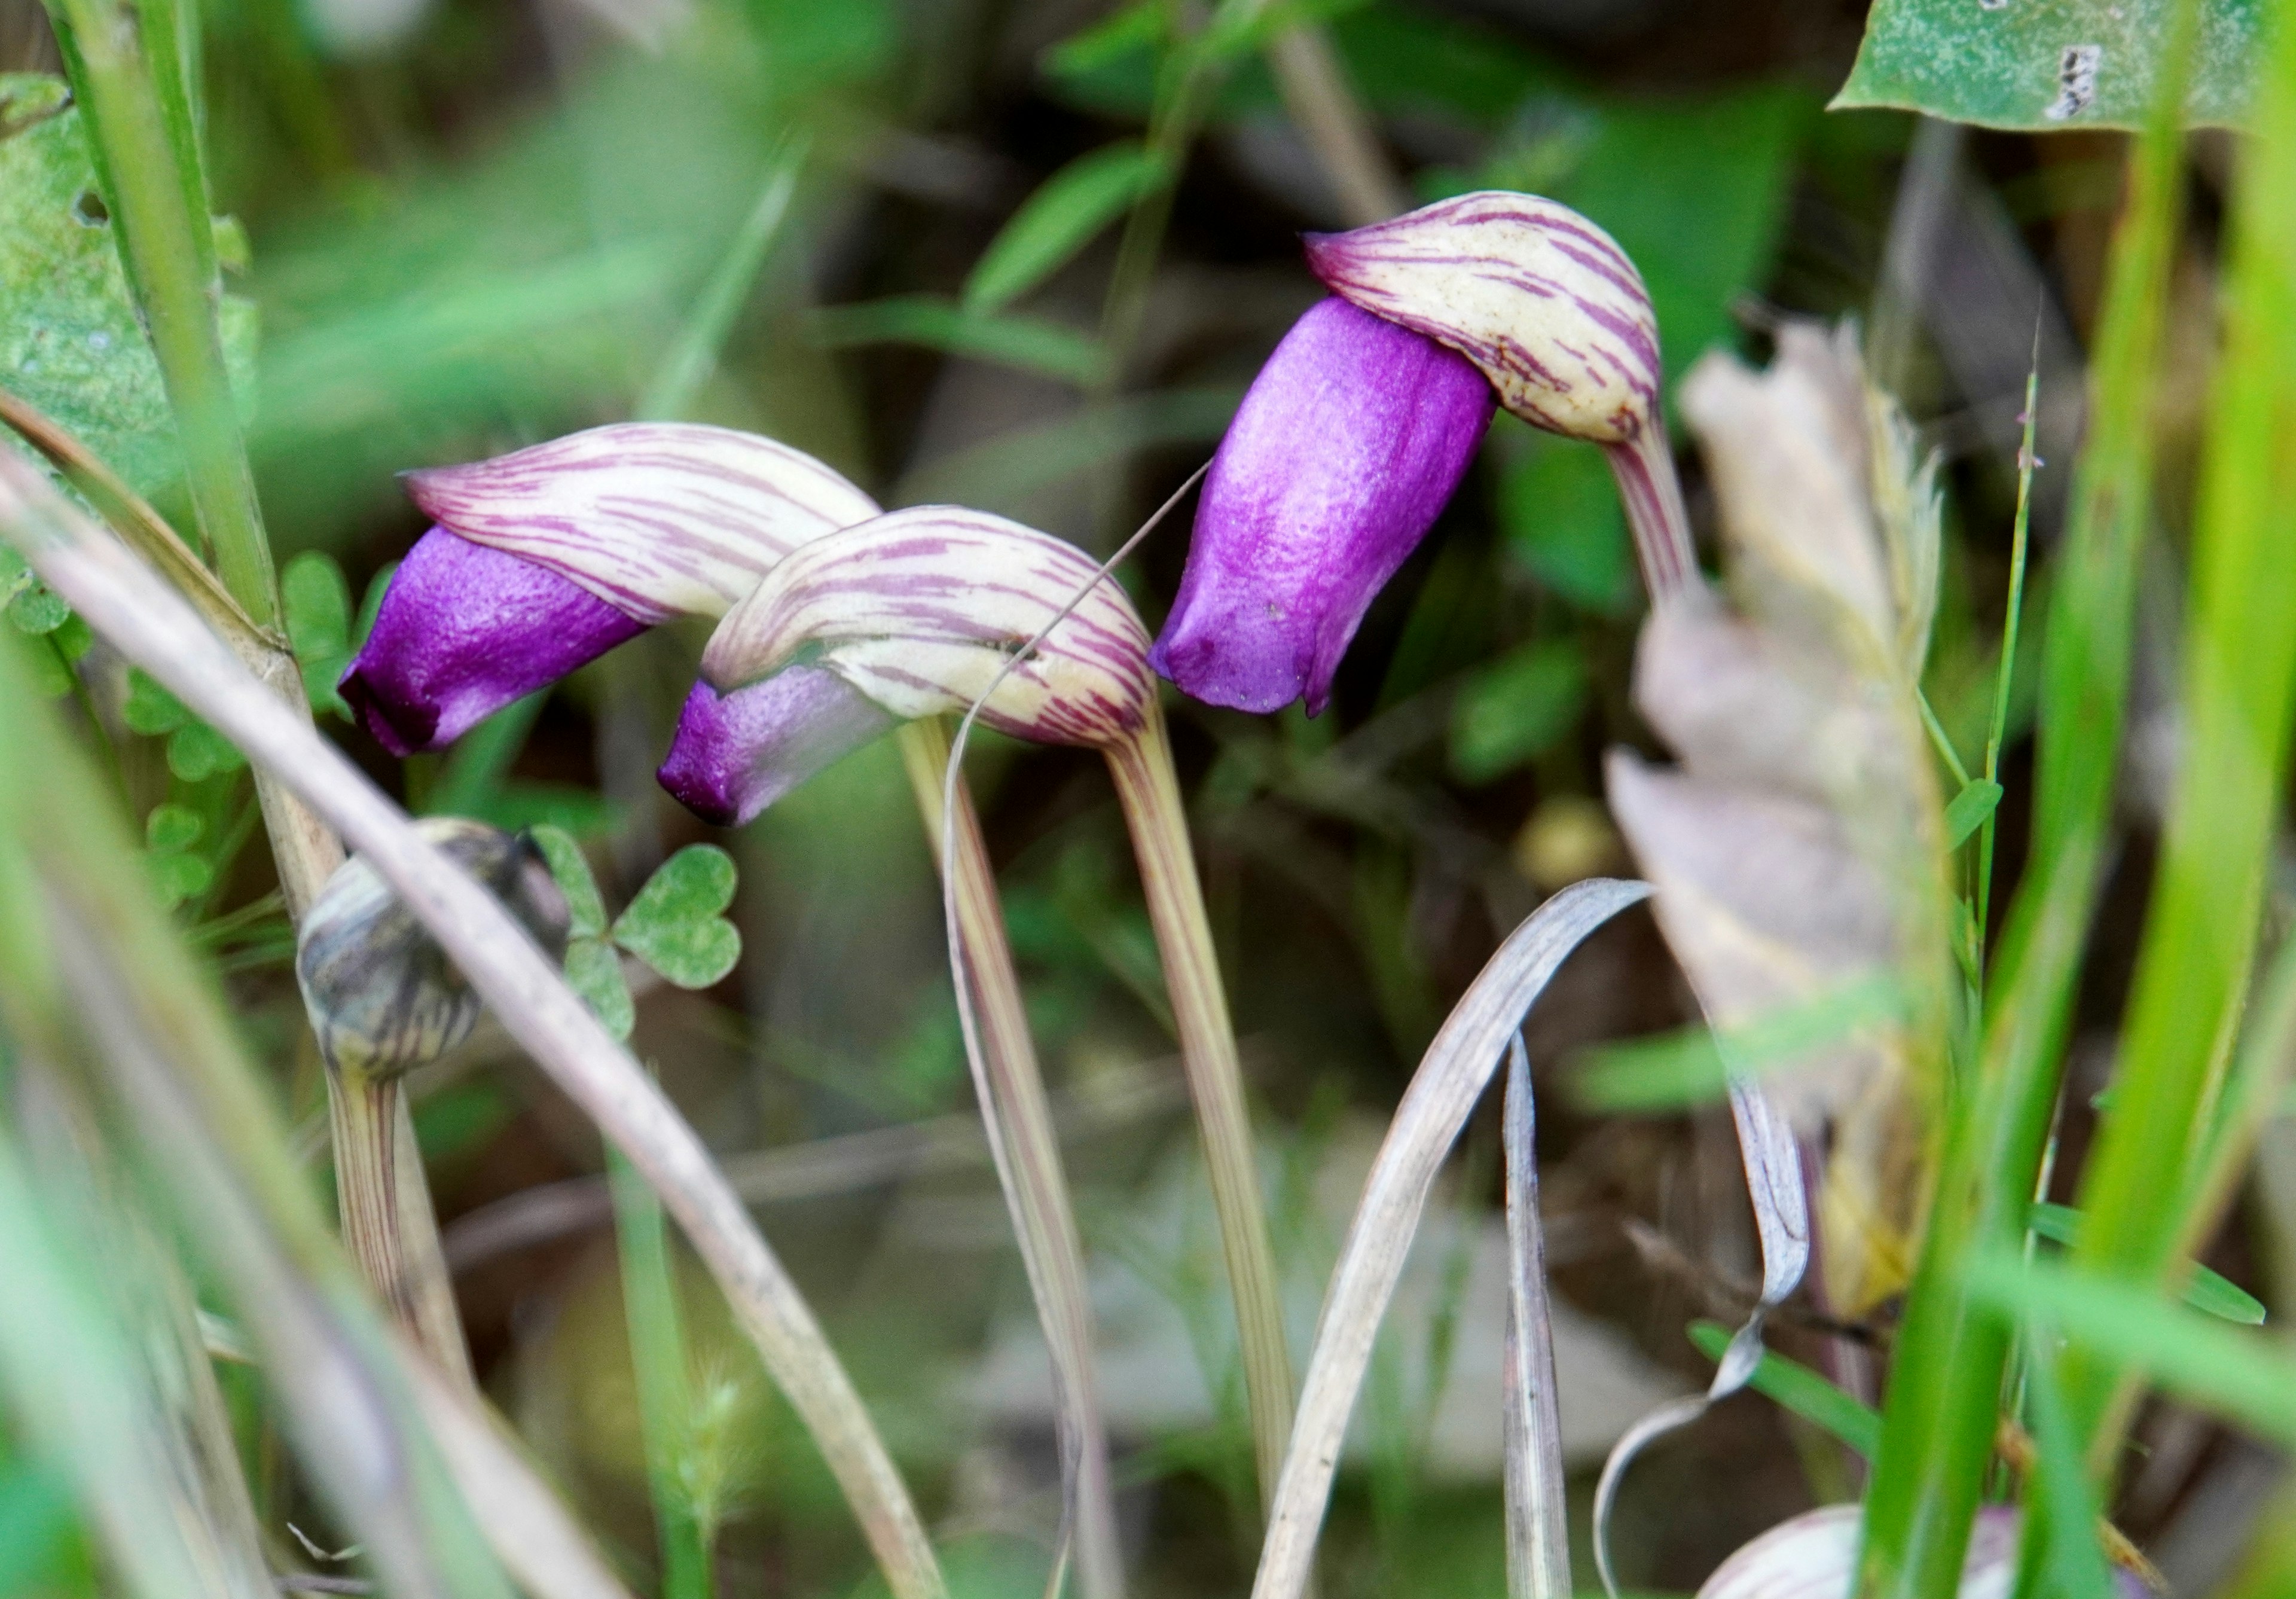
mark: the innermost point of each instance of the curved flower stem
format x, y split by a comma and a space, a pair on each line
1025, 1145
385, 1224
1150, 792
1644, 466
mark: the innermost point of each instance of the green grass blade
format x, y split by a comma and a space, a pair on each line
2208, 1292
1060, 218
2240, 693
1940, 1412
657, 1357
1796, 1388
694, 354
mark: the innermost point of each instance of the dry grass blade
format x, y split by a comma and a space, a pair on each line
1775, 1188
1538, 1540
1443, 1091
126, 603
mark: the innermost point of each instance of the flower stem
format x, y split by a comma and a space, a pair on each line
1025, 1144
386, 1217
1150, 792
1644, 466
128, 69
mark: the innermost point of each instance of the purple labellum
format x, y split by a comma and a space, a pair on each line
462, 631
1349, 442
734, 754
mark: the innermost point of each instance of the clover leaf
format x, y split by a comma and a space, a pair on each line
674, 923
317, 602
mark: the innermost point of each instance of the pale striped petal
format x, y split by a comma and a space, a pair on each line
1534, 294
921, 609
657, 519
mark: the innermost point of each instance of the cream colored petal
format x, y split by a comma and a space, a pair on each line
1544, 301
921, 609
658, 518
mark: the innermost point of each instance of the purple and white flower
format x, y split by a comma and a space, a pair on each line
737, 752
1362, 423
545, 559
922, 610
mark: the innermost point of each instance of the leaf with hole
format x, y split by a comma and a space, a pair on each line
674, 925
1060, 218
2043, 65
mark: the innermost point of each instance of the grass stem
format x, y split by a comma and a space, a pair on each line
664, 1390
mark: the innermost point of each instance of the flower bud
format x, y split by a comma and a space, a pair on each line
922, 609
1538, 298
382, 995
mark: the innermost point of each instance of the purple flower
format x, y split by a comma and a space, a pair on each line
545, 559
462, 631
1350, 440
1361, 424
736, 753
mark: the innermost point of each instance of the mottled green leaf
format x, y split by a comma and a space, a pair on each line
1515, 708
197, 751
1059, 219
2048, 64
595, 971
586, 910
172, 827
36, 609
151, 709
317, 602
673, 924
69, 341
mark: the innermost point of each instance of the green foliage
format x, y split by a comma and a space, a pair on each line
2028, 65
1060, 218
675, 925
2207, 1291
1515, 708
1559, 508
1801, 1390
1018, 341
1968, 810
69, 341
195, 750
316, 602
169, 834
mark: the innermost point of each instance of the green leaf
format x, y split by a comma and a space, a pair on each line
2215, 1295
1129, 28
1801, 1390
1968, 809
317, 604
151, 709
1667, 1070
673, 924
69, 341
172, 827
937, 324
595, 971
1516, 708
2029, 65
1059, 219
2244, 1375
586, 911
36, 609
73, 638
178, 877
197, 751
370, 604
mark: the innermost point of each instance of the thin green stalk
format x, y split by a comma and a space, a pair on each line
1150, 794
126, 71
694, 354
2004, 673
1940, 1412
2240, 691
657, 1356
